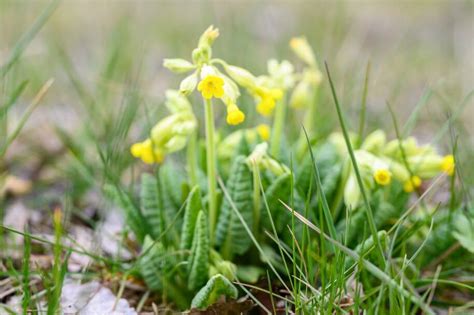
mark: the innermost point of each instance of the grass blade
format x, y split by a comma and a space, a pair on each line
374, 270
27, 37
368, 209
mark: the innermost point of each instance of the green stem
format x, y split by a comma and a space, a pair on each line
309, 124
256, 198
278, 122
310, 120
191, 160
211, 166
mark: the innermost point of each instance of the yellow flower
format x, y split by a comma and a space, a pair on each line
211, 86
147, 152
268, 100
382, 177
411, 184
263, 131
234, 115
447, 164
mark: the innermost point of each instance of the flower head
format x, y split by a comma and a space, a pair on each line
263, 131
234, 115
147, 152
383, 177
447, 164
280, 75
211, 86
268, 100
411, 184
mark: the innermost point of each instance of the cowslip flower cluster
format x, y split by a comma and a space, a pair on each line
170, 134
213, 83
272, 87
380, 162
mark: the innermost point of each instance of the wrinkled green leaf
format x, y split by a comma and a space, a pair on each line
198, 264
150, 203
216, 287
133, 215
154, 263
231, 235
193, 206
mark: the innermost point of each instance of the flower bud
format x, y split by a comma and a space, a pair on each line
176, 101
399, 171
374, 142
301, 96
208, 37
260, 157
303, 50
241, 76
188, 84
178, 65
202, 55
351, 192
425, 166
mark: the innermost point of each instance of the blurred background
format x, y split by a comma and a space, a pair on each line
106, 59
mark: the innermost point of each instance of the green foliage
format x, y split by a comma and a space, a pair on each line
198, 263
171, 179
279, 189
329, 166
366, 247
464, 230
151, 204
215, 288
132, 213
231, 236
193, 207
154, 263
439, 240
26, 298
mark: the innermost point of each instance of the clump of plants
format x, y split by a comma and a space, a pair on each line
231, 214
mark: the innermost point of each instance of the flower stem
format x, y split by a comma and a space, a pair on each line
310, 120
211, 166
278, 122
